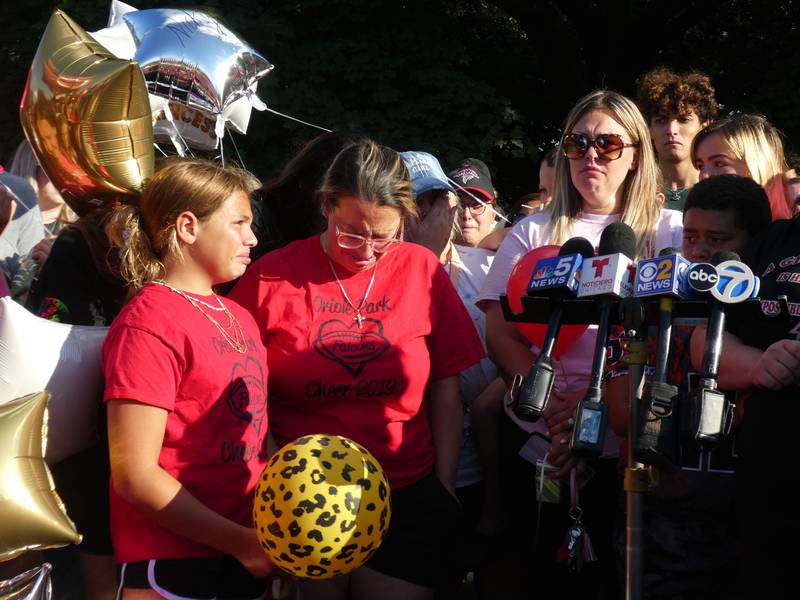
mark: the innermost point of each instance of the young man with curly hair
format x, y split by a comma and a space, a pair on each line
676, 106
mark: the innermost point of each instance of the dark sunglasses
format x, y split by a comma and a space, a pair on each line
608, 146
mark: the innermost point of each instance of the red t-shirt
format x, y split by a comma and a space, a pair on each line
329, 376
162, 352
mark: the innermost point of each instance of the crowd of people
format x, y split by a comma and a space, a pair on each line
358, 293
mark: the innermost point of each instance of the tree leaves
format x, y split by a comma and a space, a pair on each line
462, 78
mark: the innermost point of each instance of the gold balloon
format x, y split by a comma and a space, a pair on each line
32, 515
87, 117
322, 506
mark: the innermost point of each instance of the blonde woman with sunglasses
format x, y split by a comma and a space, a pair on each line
605, 173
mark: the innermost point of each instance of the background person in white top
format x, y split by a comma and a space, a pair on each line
467, 266
605, 172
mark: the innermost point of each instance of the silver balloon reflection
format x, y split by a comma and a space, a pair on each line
37, 354
30, 585
192, 59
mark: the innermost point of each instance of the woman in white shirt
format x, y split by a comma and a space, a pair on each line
606, 172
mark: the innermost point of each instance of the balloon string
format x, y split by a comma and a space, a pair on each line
280, 114
170, 117
474, 197
235, 147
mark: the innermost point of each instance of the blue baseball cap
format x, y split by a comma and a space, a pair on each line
426, 173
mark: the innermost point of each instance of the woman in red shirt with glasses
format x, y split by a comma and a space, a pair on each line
366, 337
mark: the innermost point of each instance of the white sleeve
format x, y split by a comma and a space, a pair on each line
669, 230
523, 237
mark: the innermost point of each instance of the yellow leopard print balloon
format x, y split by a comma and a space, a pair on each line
322, 506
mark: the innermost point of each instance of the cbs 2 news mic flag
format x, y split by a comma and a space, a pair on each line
662, 276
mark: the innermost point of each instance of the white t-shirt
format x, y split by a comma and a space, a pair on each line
573, 369
468, 269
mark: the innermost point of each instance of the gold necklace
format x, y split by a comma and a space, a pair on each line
238, 343
359, 317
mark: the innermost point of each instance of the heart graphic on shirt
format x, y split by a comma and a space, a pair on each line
350, 346
246, 397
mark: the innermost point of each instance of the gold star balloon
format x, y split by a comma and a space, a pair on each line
87, 117
32, 515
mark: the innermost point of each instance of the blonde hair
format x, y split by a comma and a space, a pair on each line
24, 164
369, 172
641, 207
755, 141
146, 234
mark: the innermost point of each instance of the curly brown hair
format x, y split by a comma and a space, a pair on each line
664, 90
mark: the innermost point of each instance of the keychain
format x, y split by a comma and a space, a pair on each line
577, 547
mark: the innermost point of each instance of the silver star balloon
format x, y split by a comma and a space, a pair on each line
30, 585
190, 58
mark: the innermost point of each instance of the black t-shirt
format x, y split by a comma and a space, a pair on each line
768, 474
769, 440
70, 289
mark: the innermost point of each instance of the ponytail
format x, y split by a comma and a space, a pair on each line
138, 263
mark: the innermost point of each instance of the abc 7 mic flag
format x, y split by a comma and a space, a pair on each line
729, 282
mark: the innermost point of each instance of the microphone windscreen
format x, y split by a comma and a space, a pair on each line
618, 238
577, 245
670, 250
723, 256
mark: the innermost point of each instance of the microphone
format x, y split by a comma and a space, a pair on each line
560, 276
655, 440
728, 281
608, 276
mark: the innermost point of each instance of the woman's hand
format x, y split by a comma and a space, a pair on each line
41, 251
252, 555
435, 230
778, 367
560, 406
561, 456
560, 418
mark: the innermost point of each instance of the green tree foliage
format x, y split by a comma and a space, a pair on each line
460, 77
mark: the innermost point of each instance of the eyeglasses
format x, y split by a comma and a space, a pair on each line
475, 208
466, 201
607, 145
353, 241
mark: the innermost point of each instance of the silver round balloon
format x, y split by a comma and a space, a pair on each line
190, 58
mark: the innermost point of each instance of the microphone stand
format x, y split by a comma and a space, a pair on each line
637, 476
635, 314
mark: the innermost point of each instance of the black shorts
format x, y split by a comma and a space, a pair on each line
221, 577
421, 545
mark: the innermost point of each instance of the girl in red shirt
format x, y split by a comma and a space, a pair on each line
186, 381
